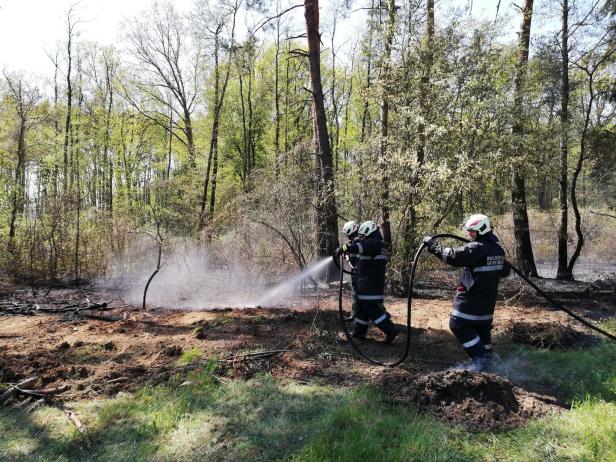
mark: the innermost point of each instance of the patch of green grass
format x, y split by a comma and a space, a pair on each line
260, 419
365, 428
189, 357
587, 433
578, 373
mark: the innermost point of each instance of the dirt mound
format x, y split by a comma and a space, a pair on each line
478, 401
549, 335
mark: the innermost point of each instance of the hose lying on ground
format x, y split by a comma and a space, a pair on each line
407, 347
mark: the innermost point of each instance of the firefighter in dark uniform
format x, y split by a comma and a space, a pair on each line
351, 230
372, 259
483, 262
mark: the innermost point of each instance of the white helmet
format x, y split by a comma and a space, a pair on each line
479, 223
350, 228
367, 228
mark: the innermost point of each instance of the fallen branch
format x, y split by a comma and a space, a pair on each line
119, 379
256, 355
11, 391
47, 392
602, 214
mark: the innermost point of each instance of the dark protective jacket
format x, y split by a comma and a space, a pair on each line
372, 259
353, 258
484, 264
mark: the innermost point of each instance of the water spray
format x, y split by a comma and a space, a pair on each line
285, 287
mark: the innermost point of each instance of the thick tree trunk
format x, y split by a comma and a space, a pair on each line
523, 245
563, 272
327, 214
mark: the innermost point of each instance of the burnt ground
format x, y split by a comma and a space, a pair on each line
98, 358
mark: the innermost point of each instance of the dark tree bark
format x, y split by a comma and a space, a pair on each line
327, 213
523, 245
563, 272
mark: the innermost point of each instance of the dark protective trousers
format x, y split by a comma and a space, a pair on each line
475, 336
375, 312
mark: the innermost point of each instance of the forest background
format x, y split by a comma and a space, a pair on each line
251, 131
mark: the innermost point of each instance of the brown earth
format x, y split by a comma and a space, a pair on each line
479, 401
103, 357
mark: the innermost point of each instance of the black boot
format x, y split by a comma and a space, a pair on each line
390, 330
360, 329
390, 337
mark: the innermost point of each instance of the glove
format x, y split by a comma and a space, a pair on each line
339, 251
430, 243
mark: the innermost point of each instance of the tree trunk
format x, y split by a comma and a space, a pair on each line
578, 171
389, 38
69, 102
327, 214
108, 153
277, 103
563, 273
366, 127
523, 245
18, 189
219, 97
409, 235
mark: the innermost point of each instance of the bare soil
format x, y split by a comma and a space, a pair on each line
97, 357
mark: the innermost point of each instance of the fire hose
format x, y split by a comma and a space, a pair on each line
415, 260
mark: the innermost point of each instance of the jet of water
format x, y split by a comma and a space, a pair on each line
286, 288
